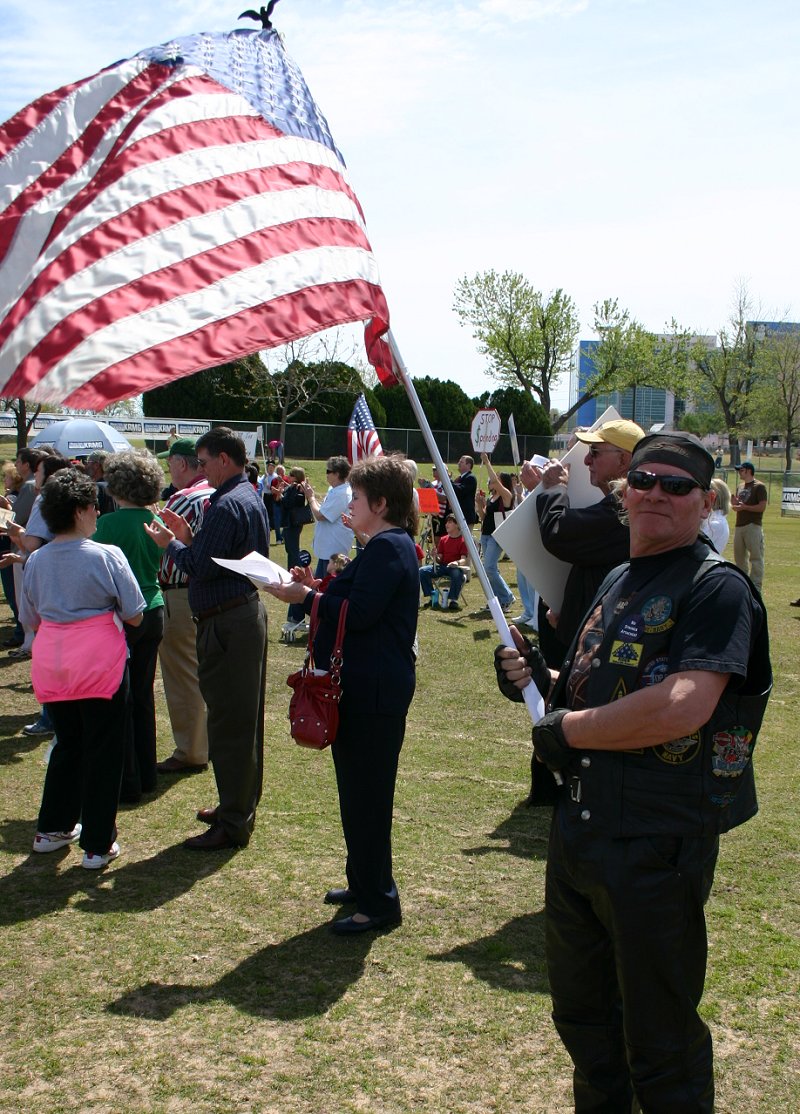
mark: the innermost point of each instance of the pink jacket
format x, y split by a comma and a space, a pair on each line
84, 660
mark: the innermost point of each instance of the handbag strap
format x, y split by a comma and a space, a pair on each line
336, 652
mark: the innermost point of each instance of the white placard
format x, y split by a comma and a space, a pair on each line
485, 431
520, 537
250, 438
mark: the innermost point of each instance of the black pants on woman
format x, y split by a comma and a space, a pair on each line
365, 755
85, 767
139, 774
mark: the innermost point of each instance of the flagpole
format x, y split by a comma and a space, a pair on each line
533, 700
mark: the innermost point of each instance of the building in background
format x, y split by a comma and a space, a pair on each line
647, 406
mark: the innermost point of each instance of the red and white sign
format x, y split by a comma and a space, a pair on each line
485, 431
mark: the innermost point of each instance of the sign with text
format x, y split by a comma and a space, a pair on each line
485, 431
790, 501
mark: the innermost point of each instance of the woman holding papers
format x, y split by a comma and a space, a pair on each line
381, 585
491, 514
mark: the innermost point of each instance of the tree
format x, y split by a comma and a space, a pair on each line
725, 376
527, 338
23, 416
529, 417
446, 404
776, 398
232, 391
627, 355
311, 372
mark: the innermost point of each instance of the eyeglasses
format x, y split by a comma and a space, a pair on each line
670, 485
594, 451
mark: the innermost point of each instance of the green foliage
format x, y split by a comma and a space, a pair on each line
526, 337
726, 376
701, 422
337, 386
529, 416
627, 356
776, 397
446, 405
234, 391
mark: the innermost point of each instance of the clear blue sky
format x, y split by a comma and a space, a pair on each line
639, 149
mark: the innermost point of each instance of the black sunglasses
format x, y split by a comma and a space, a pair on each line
670, 485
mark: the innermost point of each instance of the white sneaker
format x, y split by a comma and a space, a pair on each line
91, 861
54, 841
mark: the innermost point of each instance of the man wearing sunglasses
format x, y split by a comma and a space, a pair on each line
654, 719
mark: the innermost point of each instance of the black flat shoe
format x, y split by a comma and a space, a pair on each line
348, 926
339, 897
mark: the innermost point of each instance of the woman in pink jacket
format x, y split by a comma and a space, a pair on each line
76, 594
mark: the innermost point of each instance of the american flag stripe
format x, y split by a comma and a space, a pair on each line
162, 224
256, 228
150, 334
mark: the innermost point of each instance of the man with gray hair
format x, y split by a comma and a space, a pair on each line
178, 650
95, 466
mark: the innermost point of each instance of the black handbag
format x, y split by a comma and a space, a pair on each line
300, 516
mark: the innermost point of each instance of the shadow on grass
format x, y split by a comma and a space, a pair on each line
523, 834
512, 958
299, 977
34, 888
13, 745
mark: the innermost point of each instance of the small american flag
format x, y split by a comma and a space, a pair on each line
177, 210
362, 440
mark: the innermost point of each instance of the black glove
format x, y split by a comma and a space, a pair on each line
540, 674
549, 744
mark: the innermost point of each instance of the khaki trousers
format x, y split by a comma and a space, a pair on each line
748, 551
178, 656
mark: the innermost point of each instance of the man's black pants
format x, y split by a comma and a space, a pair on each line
626, 955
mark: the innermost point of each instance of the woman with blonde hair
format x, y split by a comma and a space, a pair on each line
716, 526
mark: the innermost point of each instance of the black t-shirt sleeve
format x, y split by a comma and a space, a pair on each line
718, 626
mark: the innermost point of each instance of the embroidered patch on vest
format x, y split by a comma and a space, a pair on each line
631, 629
626, 653
654, 672
679, 752
731, 751
619, 690
656, 614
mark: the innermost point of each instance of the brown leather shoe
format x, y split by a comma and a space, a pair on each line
215, 839
207, 815
173, 765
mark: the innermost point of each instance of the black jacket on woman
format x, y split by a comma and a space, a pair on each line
382, 587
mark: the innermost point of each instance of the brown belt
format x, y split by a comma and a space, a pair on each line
227, 605
172, 587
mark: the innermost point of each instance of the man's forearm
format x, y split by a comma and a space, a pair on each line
670, 710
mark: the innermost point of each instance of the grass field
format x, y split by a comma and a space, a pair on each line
176, 982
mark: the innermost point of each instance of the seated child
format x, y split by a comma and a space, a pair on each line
452, 559
333, 568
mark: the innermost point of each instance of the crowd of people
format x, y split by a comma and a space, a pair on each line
653, 707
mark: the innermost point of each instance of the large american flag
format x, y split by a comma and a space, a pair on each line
362, 439
177, 210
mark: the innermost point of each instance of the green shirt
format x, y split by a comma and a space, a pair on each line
125, 528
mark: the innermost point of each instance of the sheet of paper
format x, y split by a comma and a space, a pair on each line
258, 568
520, 537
